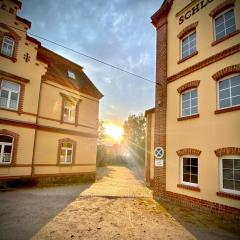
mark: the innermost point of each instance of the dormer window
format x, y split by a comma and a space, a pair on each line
7, 46
71, 74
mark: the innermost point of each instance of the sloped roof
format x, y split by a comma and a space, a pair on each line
57, 71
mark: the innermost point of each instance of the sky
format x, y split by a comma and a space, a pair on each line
116, 31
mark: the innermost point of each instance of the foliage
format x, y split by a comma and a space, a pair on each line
134, 134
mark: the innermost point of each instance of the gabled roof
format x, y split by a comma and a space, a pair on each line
57, 71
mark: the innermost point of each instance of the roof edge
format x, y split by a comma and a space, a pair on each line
162, 11
150, 110
25, 21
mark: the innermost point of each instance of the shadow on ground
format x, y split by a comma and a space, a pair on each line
24, 212
204, 225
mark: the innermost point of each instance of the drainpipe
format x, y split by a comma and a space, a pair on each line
36, 132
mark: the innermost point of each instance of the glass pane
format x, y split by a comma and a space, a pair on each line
219, 20
225, 103
186, 169
235, 81
13, 104
10, 85
194, 179
224, 84
231, 29
185, 96
192, 50
185, 54
194, 93
227, 174
4, 93
4, 138
185, 48
194, 170
228, 184
237, 174
194, 110
69, 145
229, 14
227, 163
14, 96
236, 101
7, 154
194, 161
64, 144
194, 102
230, 22
186, 112
224, 93
186, 161
236, 163
220, 28
237, 185
186, 177
235, 91
186, 104
192, 36
220, 35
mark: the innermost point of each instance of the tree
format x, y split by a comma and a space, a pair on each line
101, 150
134, 134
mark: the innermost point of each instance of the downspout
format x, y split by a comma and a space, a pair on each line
36, 132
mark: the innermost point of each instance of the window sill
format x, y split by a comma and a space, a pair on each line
192, 188
10, 58
65, 164
225, 37
186, 58
228, 195
10, 110
188, 117
70, 123
230, 109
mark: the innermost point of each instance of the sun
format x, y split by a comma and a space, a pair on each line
114, 132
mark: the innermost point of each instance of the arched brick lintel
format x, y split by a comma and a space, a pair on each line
227, 151
226, 71
15, 137
188, 151
187, 30
188, 85
221, 7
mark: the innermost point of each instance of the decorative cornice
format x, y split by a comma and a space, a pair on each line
208, 61
188, 85
227, 151
226, 71
162, 12
188, 151
13, 77
187, 30
221, 7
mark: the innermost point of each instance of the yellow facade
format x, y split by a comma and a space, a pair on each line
213, 128
38, 123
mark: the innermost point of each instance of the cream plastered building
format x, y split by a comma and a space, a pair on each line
196, 119
48, 106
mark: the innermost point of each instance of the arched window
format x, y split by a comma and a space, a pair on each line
224, 23
229, 91
9, 95
7, 46
189, 102
6, 147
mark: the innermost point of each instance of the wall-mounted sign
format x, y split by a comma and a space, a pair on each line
194, 10
158, 162
159, 152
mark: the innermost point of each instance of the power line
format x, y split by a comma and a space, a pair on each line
87, 56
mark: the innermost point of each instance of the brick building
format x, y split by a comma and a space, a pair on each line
48, 107
196, 118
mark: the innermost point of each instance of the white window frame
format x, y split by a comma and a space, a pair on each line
221, 174
181, 101
181, 43
66, 150
9, 95
181, 171
70, 111
214, 22
3, 144
71, 74
2, 48
218, 91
